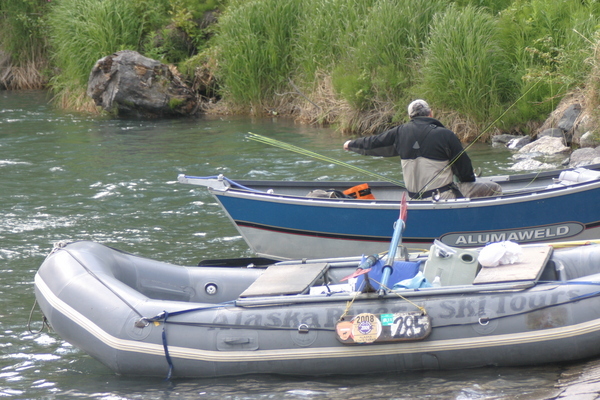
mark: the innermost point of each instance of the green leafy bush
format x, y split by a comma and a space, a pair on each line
547, 43
22, 29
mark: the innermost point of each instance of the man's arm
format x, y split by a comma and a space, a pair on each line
382, 145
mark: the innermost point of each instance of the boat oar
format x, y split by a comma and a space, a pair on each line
396, 238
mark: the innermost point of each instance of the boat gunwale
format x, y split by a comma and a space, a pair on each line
529, 176
504, 199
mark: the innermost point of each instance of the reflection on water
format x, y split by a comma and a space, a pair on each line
72, 177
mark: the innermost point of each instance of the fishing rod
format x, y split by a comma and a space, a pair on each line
300, 150
490, 125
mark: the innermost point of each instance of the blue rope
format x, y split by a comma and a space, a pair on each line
587, 295
583, 296
164, 316
166, 347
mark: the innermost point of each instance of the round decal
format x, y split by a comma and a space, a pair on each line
344, 330
366, 328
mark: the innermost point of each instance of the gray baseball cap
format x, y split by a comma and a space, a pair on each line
418, 108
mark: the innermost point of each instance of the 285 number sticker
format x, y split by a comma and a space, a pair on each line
370, 328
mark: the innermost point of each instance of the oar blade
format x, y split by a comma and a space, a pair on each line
356, 273
403, 208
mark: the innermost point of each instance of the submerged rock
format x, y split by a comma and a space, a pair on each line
518, 143
502, 139
531, 165
133, 85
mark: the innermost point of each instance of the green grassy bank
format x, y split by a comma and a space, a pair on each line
353, 63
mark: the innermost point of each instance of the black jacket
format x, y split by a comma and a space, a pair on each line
420, 137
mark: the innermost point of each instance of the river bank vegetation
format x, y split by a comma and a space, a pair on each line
352, 63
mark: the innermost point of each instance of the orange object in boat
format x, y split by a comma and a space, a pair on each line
362, 191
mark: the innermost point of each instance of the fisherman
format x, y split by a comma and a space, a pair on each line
431, 156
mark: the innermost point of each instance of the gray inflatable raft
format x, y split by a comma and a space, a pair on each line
144, 317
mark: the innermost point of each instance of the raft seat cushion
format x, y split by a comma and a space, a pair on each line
286, 279
529, 268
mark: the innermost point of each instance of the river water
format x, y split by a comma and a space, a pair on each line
66, 176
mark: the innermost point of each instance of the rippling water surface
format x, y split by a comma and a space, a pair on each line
70, 177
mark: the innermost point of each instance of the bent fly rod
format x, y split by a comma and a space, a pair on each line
299, 150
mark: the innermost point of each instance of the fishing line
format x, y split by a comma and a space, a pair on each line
305, 152
425, 187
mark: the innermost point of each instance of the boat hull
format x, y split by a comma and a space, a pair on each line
280, 226
278, 219
143, 317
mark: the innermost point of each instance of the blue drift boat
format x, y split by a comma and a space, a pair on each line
283, 219
231, 317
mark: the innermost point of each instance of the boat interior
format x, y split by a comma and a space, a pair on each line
386, 191
458, 270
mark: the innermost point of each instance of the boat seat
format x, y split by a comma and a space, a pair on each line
533, 261
286, 279
578, 262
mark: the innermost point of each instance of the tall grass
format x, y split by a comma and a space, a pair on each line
328, 32
493, 6
464, 69
328, 45
472, 57
22, 36
392, 42
83, 31
255, 49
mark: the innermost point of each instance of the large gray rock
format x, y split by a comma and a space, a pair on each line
585, 156
133, 85
583, 125
546, 145
551, 132
567, 121
590, 139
